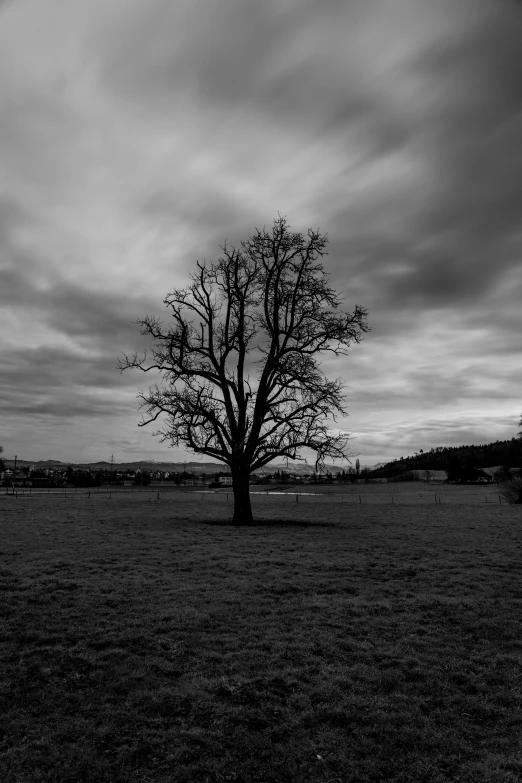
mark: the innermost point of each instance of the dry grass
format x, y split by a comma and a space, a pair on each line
511, 491
152, 641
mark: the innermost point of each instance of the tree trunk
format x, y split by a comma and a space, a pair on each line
242, 507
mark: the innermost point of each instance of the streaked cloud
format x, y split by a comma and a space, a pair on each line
137, 136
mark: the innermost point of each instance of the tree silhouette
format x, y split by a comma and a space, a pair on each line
239, 362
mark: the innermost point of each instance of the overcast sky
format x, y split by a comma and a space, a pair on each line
137, 135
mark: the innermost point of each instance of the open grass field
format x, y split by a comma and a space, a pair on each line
335, 640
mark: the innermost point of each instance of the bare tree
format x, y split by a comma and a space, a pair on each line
242, 383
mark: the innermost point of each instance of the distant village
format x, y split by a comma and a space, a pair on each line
33, 476
58, 477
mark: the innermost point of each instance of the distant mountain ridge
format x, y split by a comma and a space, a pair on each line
174, 467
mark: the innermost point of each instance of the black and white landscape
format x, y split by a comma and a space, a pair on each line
295, 227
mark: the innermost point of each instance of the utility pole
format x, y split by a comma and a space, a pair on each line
14, 477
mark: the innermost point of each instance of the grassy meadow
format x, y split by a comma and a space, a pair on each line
340, 639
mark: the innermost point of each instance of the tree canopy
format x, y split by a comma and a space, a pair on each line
239, 359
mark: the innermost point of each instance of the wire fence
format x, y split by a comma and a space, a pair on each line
441, 495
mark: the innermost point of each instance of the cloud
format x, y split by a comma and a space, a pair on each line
81, 312
138, 136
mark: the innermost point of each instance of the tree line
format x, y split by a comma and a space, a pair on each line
455, 459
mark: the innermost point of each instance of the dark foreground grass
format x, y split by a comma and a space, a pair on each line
151, 642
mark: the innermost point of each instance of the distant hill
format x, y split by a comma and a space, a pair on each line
453, 459
300, 468
151, 465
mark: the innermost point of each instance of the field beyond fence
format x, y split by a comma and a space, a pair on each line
405, 493
335, 640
